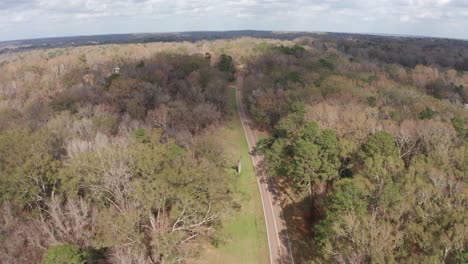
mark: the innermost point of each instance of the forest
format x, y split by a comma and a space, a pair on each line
108, 153
369, 155
104, 158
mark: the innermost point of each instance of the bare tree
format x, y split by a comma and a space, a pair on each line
69, 222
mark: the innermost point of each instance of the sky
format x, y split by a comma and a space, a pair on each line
23, 19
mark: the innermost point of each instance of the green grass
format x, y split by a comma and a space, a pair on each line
243, 232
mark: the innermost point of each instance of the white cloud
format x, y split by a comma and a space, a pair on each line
36, 18
18, 18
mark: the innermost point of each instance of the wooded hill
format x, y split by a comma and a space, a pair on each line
106, 151
370, 158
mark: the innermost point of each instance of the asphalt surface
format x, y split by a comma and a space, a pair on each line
278, 240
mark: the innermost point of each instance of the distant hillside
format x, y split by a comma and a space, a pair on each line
73, 41
405, 50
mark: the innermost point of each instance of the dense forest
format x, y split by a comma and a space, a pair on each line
409, 52
370, 155
105, 158
107, 152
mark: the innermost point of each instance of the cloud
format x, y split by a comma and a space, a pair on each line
13, 4
38, 18
18, 18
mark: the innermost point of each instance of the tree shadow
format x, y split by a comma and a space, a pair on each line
299, 216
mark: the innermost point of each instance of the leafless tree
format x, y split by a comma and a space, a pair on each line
71, 221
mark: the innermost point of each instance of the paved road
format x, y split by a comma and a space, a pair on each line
278, 240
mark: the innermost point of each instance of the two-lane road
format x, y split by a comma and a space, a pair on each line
278, 240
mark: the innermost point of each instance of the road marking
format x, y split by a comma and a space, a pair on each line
269, 198
259, 189
251, 132
281, 213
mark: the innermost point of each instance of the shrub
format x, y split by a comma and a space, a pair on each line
428, 113
9, 116
262, 47
326, 64
293, 77
110, 79
106, 123
372, 101
135, 109
53, 54
64, 103
141, 64
462, 256
66, 254
459, 125
371, 79
141, 136
295, 50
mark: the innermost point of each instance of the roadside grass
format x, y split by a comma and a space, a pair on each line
243, 235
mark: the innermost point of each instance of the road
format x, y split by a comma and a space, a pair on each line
278, 240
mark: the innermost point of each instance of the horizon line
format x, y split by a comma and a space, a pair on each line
237, 30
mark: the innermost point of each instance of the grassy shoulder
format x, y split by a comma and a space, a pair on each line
243, 235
